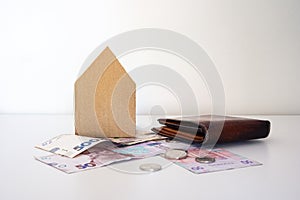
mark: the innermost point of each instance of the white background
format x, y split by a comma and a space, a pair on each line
254, 44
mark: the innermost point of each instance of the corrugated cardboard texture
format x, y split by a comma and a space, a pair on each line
105, 99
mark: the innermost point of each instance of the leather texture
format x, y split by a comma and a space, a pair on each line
213, 128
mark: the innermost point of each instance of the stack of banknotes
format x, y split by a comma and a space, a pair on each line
73, 153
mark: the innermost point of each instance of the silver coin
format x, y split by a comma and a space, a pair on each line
205, 159
175, 154
150, 167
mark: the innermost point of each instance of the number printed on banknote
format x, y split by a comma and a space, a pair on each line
69, 145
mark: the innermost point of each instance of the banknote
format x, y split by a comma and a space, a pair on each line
69, 145
95, 157
138, 139
224, 160
142, 150
175, 144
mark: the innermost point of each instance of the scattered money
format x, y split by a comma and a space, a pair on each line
69, 145
95, 152
150, 167
224, 160
175, 154
94, 157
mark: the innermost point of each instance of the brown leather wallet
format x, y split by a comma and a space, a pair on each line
213, 128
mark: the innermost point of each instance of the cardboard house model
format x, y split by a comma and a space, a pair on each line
105, 99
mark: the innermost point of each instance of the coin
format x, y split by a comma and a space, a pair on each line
150, 167
175, 154
205, 159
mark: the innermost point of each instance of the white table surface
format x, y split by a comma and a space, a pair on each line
22, 177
